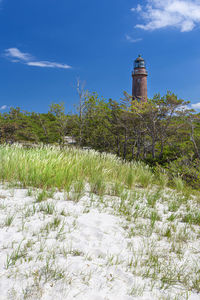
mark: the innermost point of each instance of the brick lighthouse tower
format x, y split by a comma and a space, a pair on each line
139, 87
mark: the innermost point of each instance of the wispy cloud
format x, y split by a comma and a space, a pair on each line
196, 105
181, 14
3, 107
138, 8
132, 40
47, 64
17, 56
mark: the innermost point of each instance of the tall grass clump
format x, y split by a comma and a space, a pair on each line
179, 184
49, 166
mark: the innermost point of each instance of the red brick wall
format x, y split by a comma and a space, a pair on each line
139, 87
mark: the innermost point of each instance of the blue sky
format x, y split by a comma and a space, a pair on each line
47, 44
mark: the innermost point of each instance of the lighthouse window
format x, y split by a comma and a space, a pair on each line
140, 64
137, 65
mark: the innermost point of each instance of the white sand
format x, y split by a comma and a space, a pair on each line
86, 256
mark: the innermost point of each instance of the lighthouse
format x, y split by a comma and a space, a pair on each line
139, 75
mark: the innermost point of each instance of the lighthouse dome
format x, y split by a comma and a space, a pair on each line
139, 62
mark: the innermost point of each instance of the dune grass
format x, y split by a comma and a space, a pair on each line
48, 166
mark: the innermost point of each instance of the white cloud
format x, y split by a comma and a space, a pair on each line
181, 14
3, 107
131, 40
17, 56
138, 8
196, 105
47, 64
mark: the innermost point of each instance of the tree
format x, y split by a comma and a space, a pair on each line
159, 119
194, 122
58, 111
83, 95
96, 132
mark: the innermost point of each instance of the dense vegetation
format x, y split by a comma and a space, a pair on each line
162, 132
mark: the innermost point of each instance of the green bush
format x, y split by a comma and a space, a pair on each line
186, 169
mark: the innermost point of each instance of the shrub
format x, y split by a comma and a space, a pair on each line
186, 169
